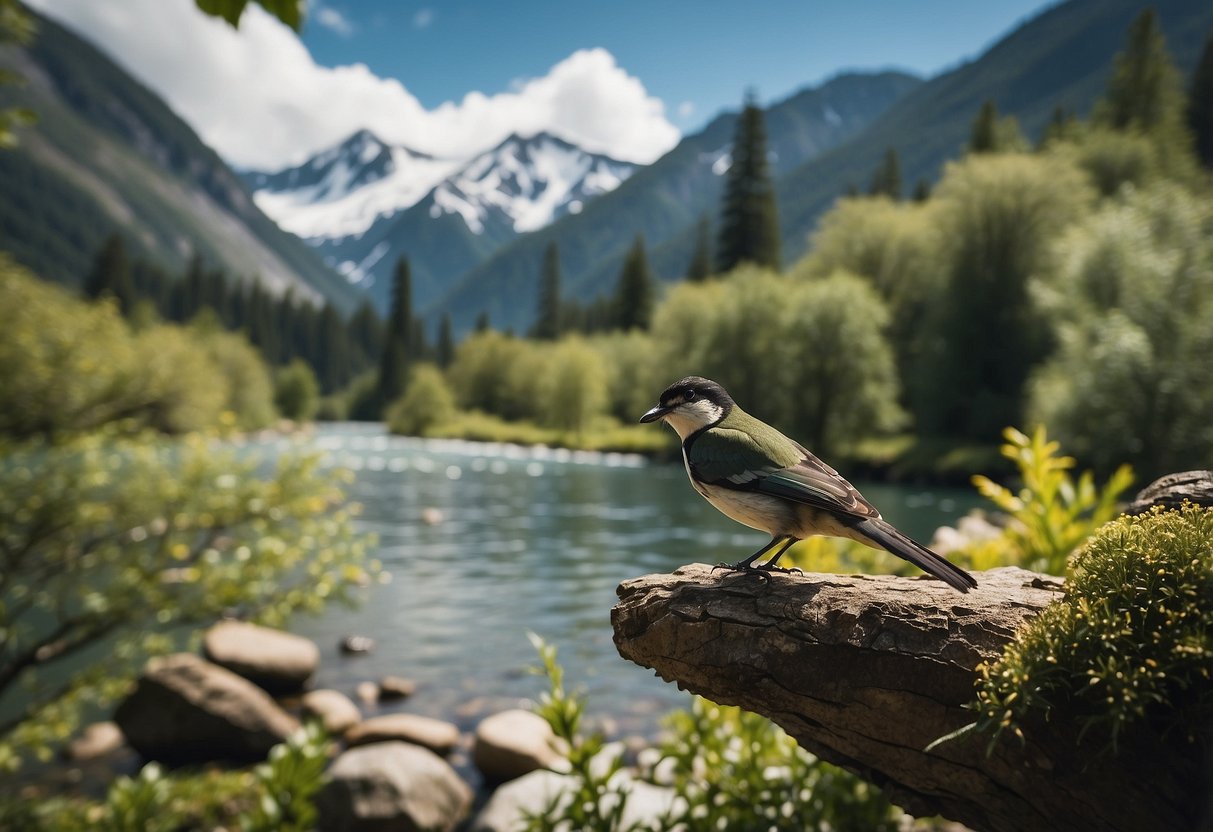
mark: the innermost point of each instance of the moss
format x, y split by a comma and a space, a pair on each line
1131, 644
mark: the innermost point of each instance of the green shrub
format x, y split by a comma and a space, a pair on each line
426, 403
250, 390
296, 392
1131, 644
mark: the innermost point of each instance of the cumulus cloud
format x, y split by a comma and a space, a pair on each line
258, 98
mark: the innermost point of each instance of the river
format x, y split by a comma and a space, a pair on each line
484, 543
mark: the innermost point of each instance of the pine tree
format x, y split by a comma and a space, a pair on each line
483, 324
1061, 127
445, 351
111, 275
1144, 92
886, 181
700, 267
749, 219
366, 333
1200, 105
634, 296
547, 322
922, 191
393, 366
983, 135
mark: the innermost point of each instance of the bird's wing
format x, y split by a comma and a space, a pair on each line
735, 459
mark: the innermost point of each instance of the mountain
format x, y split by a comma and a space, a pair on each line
664, 200
108, 155
1062, 57
363, 204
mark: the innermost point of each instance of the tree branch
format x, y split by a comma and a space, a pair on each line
866, 672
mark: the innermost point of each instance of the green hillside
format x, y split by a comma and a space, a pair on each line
107, 154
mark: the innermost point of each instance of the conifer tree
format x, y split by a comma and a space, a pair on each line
922, 191
886, 181
1200, 105
393, 366
111, 275
445, 351
634, 297
1144, 92
482, 322
547, 322
749, 219
1062, 126
700, 267
983, 136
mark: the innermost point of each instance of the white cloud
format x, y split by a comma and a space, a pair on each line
686, 109
332, 19
259, 99
423, 18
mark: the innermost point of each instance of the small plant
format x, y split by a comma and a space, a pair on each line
597, 804
288, 783
138, 804
1130, 645
1052, 515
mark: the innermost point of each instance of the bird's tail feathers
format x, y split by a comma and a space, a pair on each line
889, 538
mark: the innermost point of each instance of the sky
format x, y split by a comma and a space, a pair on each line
454, 77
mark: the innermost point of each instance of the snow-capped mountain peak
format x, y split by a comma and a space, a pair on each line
528, 182
342, 191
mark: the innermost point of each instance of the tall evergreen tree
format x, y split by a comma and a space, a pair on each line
700, 267
1145, 91
983, 135
483, 324
444, 354
1062, 126
749, 219
886, 180
1200, 105
547, 322
922, 191
393, 366
366, 331
111, 274
634, 296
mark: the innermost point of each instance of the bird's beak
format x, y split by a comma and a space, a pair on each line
655, 414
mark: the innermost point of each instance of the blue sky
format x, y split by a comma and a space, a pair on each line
697, 57
456, 77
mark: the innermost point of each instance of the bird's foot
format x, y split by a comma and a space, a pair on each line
743, 567
785, 570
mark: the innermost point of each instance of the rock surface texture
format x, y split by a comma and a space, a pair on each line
277, 661
512, 743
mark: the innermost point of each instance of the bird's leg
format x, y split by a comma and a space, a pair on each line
770, 566
747, 565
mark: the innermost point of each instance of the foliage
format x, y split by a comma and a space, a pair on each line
296, 393
991, 134
111, 275
547, 317
245, 377
604, 435
738, 770
426, 402
1144, 91
480, 373
1131, 300
777, 344
276, 795
289, 12
699, 268
597, 804
997, 215
122, 543
1114, 159
749, 217
1200, 105
635, 378
399, 341
1128, 648
886, 179
16, 25
1052, 515
634, 295
575, 386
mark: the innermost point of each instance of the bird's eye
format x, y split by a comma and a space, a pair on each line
690, 396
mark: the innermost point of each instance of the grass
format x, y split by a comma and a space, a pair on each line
605, 435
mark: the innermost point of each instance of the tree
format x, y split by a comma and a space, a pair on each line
289, 12
922, 191
992, 134
394, 363
700, 267
1062, 126
296, 393
749, 218
16, 26
998, 217
111, 275
427, 401
548, 325
577, 386
1144, 91
634, 295
1200, 105
366, 333
886, 180
445, 350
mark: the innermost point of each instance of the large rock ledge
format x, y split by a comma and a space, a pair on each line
867, 671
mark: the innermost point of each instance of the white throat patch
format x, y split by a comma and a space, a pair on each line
689, 417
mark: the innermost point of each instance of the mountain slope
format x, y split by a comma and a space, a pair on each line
1061, 57
663, 199
108, 155
364, 204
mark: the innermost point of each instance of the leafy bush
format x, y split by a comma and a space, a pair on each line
1051, 515
296, 392
427, 402
1129, 646
122, 543
574, 387
250, 391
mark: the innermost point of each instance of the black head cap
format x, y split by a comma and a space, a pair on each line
693, 387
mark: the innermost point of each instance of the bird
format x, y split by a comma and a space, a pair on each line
754, 474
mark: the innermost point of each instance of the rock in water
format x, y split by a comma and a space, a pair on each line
513, 743
396, 687
392, 786
334, 709
277, 661
434, 734
97, 740
185, 709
